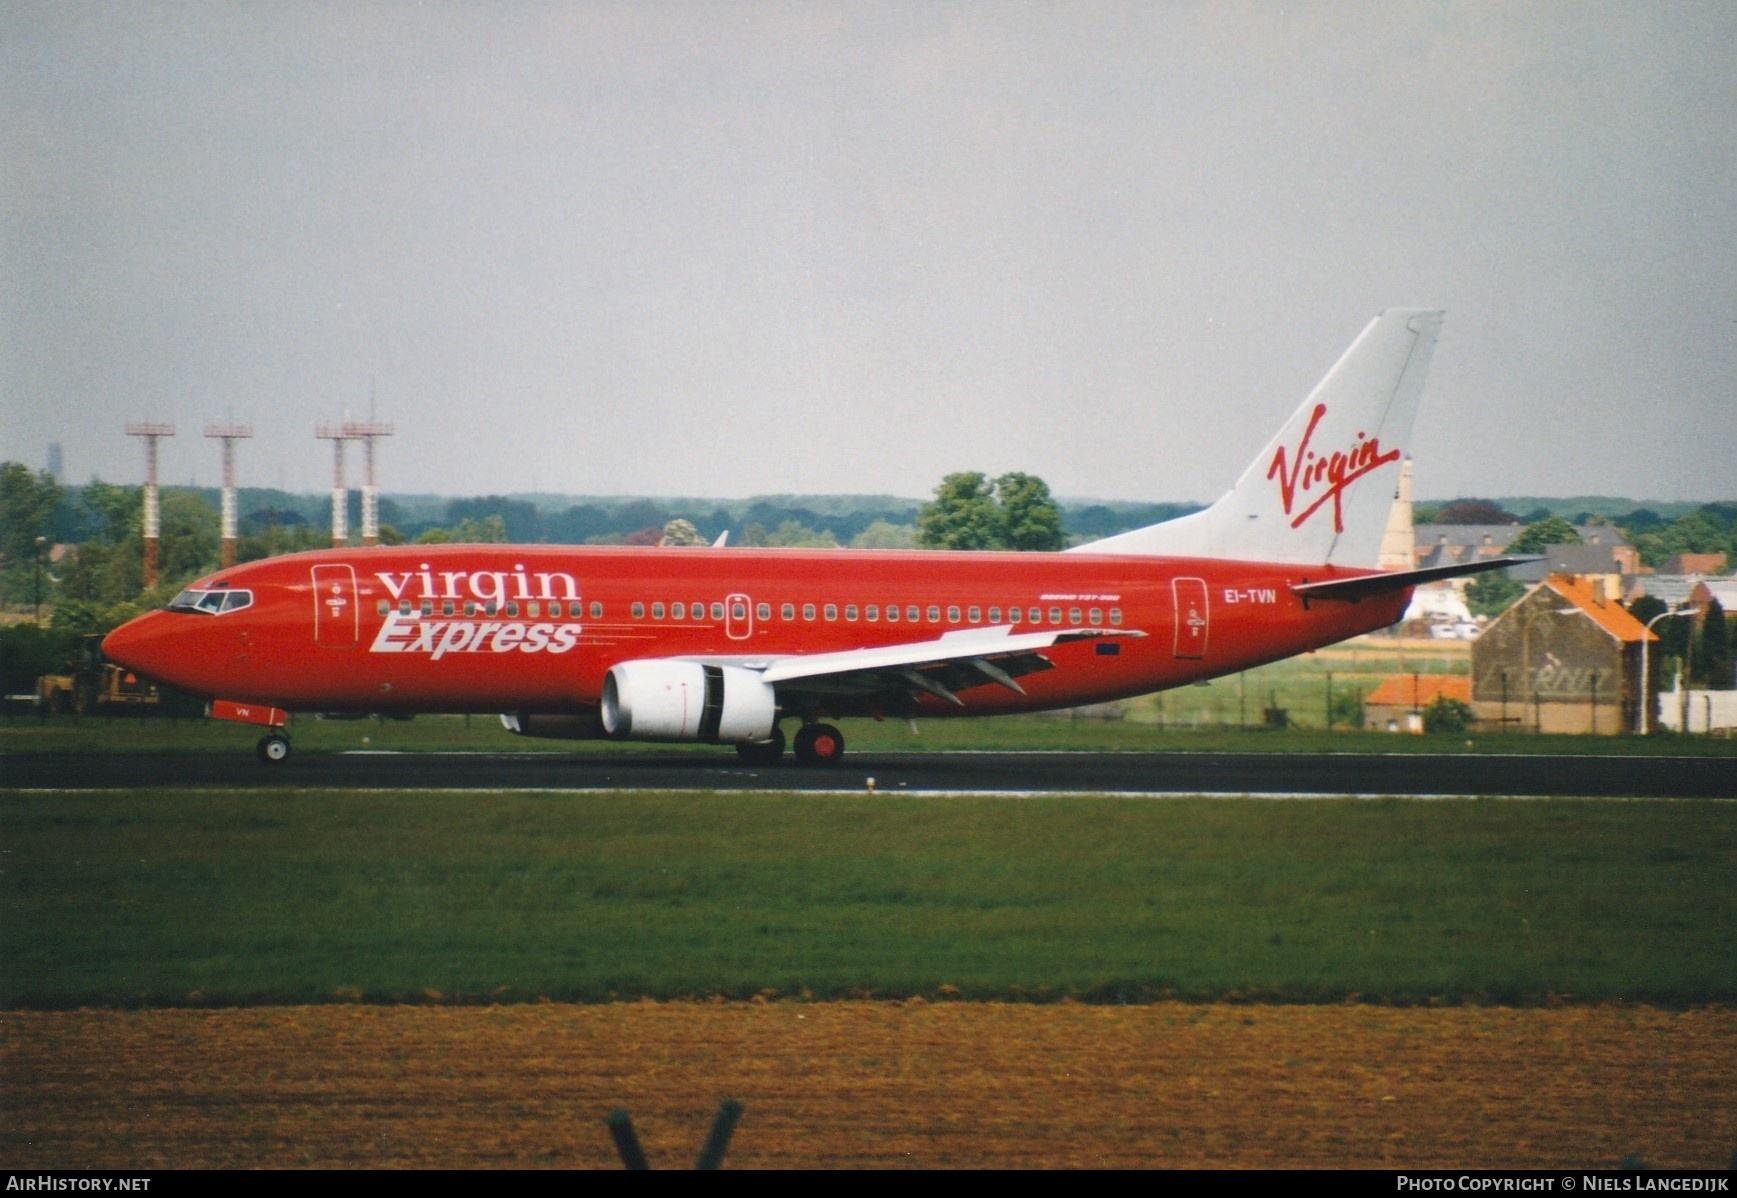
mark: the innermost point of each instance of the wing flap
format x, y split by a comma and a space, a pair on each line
990, 644
956, 661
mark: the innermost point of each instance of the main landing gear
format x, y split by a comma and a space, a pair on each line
819, 744
764, 752
815, 744
272, 748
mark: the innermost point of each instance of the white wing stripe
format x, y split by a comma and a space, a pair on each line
964, 645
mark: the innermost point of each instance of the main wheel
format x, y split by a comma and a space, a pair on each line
273, 748
763, 752
819, 744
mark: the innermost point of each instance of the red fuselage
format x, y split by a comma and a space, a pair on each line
485, 628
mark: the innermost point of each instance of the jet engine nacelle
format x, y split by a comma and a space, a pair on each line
686, 700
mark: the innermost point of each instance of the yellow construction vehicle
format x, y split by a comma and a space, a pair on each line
93, 686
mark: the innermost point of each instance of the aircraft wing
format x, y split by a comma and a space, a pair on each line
954, 662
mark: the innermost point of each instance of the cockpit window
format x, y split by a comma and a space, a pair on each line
212, 603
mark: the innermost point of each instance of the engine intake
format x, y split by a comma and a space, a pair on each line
686, 700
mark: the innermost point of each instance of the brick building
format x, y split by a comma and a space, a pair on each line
1566, 658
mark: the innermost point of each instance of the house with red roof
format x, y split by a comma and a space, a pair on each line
1398, 702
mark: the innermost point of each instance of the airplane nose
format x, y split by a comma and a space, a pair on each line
143, 645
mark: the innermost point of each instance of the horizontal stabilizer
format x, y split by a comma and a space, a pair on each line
1365, 585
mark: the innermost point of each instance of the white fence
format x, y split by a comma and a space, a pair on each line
1709, 711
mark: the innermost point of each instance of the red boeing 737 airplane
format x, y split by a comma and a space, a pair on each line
722, 645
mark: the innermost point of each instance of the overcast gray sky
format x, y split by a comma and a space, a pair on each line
736, 248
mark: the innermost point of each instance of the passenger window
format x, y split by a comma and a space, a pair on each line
717, 611
1035, 616
596, 610
872, 612
469, 608
738, 610
446, 607
1097, 616
763, 611
1075, 615
892, 613
832, 611
533, 609
678, 611
639, 611
1116, 615
913, 613
382, 608
975, 615
555, 610
995, 615
428, 607
808, 611
657, 611
404, 607
512, 610
952, 615
850, 612
787, 611
934, 615
1055, 615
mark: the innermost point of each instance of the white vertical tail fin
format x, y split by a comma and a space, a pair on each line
1321, 490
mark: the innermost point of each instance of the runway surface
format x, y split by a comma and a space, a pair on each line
1012, 773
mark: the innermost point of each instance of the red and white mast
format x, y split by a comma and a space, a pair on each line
229, 433
338, 434
152, 431
366, 431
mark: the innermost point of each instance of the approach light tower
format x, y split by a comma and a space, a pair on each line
366, 431
152, 431
338, 434
229, 433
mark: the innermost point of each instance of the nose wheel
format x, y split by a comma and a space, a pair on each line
273, 748
819, 744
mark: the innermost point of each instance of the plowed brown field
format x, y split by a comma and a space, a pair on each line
871, 1084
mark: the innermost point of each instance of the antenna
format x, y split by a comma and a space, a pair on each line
151, 431
229, 433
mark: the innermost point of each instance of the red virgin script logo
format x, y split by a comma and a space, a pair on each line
1307, 471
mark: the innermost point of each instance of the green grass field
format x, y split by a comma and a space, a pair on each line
171, 897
